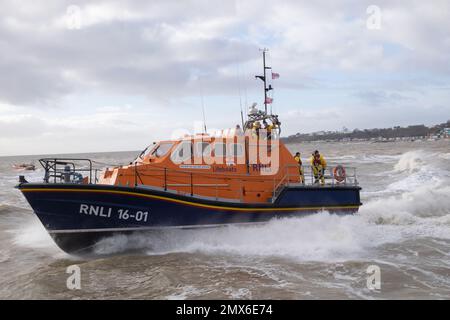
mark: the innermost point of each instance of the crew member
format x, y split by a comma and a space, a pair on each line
298, 159
318, 165
266, 129
255, 129
238, 130
270, 128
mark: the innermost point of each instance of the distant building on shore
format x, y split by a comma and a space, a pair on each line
446, 133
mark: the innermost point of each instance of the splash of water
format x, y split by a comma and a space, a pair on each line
317, 237
411, 161
33, 235
419, 196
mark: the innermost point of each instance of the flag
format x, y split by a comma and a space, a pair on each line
269, 100
275, 75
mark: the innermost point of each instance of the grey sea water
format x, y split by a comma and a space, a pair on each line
403, 227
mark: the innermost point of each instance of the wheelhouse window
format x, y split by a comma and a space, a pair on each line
220, 149
235, 150
201, 148
147, 151
182, 152
162, 149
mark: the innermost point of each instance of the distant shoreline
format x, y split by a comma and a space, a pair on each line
410, 133
385, 140
395, 134
287, 142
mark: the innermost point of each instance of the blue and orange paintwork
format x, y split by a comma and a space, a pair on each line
173, 197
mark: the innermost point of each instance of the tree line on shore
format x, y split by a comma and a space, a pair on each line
413, 131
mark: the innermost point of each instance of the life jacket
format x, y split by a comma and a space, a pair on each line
315, 162
298, 160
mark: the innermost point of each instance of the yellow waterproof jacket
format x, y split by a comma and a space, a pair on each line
298, 160
322, 161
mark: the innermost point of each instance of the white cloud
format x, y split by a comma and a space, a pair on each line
172, 51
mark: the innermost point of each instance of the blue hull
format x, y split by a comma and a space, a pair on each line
77, 216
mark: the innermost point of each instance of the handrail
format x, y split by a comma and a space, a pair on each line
172, 178
281, 183
50, 166
166, 172
228, 174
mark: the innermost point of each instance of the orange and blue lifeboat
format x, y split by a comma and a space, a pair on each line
197, 181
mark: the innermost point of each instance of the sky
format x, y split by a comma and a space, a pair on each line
94, 76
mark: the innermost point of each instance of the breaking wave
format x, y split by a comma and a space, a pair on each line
317, 237
445, 156
428, 201
419, 195
418, 170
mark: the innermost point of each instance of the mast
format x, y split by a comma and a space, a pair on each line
264, 79
258, 115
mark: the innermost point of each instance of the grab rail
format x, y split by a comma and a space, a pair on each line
173, 178
52, 167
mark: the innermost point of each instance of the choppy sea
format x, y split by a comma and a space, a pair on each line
403, 228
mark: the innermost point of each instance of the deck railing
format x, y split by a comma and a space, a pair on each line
66, 169
192, 183
309, 178
170, 179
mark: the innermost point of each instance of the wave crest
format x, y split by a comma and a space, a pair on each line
410, 161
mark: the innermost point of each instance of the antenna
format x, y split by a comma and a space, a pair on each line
204, 116
240, 94
203, 105
264, 79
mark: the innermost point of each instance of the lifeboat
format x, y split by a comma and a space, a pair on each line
243, 175
24, 166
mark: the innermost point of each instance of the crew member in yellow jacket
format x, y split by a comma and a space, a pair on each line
318, 165
298, 159
255, 129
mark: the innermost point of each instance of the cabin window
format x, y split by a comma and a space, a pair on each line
162, 149
219, 149
235, 150
145, 152
200, 148
182, 152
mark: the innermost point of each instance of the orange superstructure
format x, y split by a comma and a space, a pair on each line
234, 167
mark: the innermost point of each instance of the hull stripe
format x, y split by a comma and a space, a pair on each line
154, 228
215, 207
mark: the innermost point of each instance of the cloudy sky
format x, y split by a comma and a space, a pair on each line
82, 76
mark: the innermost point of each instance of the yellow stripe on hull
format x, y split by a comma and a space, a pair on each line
192, 203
